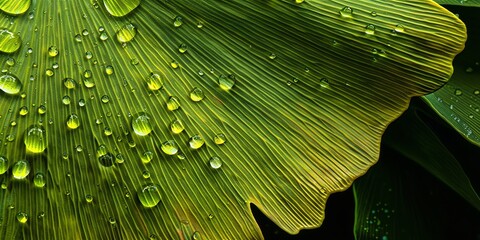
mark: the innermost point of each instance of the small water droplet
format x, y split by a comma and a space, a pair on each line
146, 174
154, 81
346, 12
35, 139
66, 100
169, 147
49, 72
324, 83
370, 29
85, 32
42, 109
197, 94
373, 13
177, 126
103, 36
3, 165
107, 131
52, 51
178, 22
39, 180
147, 156
458, 92
196, 142
399, 28
149, 195
23, 111
109, 70
105, 99
476, 92
215, 162
141, 124
73, 121
126, 33
107, 160
173, 103
174, 64
78, 38
226, 83
22, 217
183, 48
69, 83
220, 139
20, 169
88, 198
88, 55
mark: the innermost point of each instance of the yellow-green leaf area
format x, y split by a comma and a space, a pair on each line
277, 104
120, 8
15, 7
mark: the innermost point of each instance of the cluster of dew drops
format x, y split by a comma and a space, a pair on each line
35, 136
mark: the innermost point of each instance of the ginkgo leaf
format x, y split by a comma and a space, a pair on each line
459, 101
167, 123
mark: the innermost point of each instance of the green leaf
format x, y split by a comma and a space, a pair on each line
414, 139
458, 102
301, 92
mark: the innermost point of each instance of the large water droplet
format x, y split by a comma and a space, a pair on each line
170, 147
126, 33
119, 8
147, 157
15, 7
141, 124
149, 195
20, 169
9, 42
10, 84
107, 160
35, 139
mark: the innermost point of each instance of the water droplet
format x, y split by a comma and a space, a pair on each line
42, 109
141, 124
81, 102
88, 198
146, 174
39, 180
149, 195
177, 126
107, 131
22, 217
78, 38
55, 65
103, 36
147, 157
215, 162
458, 92
10, 62
196, 235
10, 84
66, 100
169, 147
35, 139
197, 94
23, 111
10, 137
3, 165
88, 82
324, 83
370, 29
52, 51
134, 61
20, 169
73, 121
226, 83
126, 33
174, 64
173, 103
178, 22
112, 220
272, 56
373, 13
220, 139
299, 1
154, 81
109, 70
107, 160
476, 92
49, 72
88, 55
69, 83
346, 12
9, 42
105, 99
183, 48
85, 32
196, 142
399, 28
